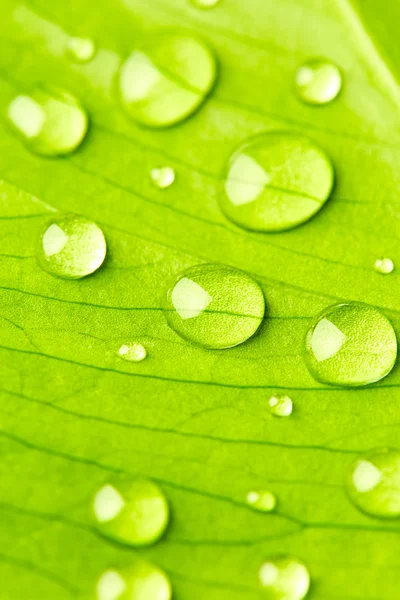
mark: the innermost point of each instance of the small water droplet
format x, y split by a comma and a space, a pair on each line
167, 80
132, 512
205, 3
384, 266
140, 581
81, 49
280, 406
275, 182
262, 500
132, 352
163, 177
71, 247
318, 81
351, 345
374, 483
284, 578
215, 306
49, 123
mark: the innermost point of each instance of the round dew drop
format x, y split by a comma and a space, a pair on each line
280, 406
261, 500
164, 82
163, 177
385, 266
135, 512
318, 81
350, 345
81, 49
71, 247
49, 123
284, 578
215, 306
132, 352
275, 182
374, 483
140, 581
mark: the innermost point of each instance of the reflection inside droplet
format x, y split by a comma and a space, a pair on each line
366, 476
241, 191
327, 340
27, 116
189, 298
110, 586
108, 503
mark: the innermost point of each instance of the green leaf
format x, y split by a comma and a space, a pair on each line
194, 420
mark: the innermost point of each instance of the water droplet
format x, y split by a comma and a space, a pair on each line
81, 49
141, 581
71, 247
384, 266
50, 124
318, 81
132, 352
351, 345
284, 578
276, 181
374, 483
280, 406
163, 177
215, 306
261, 500
205, 3
132, 512
167, 80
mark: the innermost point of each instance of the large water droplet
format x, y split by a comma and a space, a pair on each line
167, 80
215, 306
71, 247
276, 181
81, 49
351, 345
50, 123
132, 352
132, 512
384, 266
374, 483
280, 406
261, 500
205, 3
318, 81
284, 578
141, 581
163, 177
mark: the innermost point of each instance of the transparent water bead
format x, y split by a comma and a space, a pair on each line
71, 247
284, 578
163, 177
318, 81
134, 512
81, 49
275, 182
350, 344
374, 483
215, 306
167, 80
261, 500
205, 3
132, 352
49, 123
141, 581
384, 266
280, 406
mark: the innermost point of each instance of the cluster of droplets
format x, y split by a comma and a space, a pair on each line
273, 182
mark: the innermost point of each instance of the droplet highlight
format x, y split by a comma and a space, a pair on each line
284, 578
275, 182
132, 352
49, 123
215, 306
385, 266
374, 483
164, 82
71, 247
261, 500
318, 81
81, 49
140, 581
163, 177
280, 406
205, 3
350, 344
131, 512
